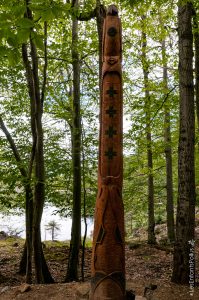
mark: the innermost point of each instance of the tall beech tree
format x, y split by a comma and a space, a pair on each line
37, 93
147, 108
168, 150
167, 132
76, 131
73, 260
185, 222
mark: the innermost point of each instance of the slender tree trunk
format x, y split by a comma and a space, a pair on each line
185, 222
39, 191
25, 266
168, 152
29, 223
73, 260
151, 218
84, 206
53, 234
36, 100
29, 202
23, 261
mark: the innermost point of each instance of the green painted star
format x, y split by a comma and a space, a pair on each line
111, 111
111, 92
110, 132
110, 153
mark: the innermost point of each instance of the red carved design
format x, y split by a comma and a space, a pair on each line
108, 257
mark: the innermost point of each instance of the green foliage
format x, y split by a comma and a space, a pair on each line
15, 30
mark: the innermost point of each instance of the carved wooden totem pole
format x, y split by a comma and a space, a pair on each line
108, 257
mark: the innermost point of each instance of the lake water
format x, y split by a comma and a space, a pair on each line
15, 224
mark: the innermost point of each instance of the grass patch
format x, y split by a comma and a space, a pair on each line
89, 243
57, 244
9, 241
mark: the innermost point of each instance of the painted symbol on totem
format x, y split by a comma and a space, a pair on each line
111, 111
111, 92
111, 131
100, 235
110, 153
112, 31
118, 235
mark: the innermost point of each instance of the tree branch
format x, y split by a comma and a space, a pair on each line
28, 69
87, 16
163, 102
31, 89
34, 57
14, 148
45, 64
99, 9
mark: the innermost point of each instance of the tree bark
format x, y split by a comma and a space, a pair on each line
84, 206
36, 104
73, 260
29, 229
29, 204
23, 262
41, 269
151, 218
185, 222
168, 152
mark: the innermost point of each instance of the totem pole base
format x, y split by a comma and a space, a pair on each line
84, 293
107, 290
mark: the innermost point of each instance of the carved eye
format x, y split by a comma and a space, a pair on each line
112, 31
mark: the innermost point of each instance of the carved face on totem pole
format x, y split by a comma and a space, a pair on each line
108, 257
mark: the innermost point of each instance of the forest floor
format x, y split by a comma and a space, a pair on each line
145, 265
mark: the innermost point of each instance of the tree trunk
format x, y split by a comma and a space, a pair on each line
23, 261
168, 152
29, 229
84, 206
39, 189
36, 99
29, 192
53, 229
73, 260
186, 174
151, 218
25, 266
